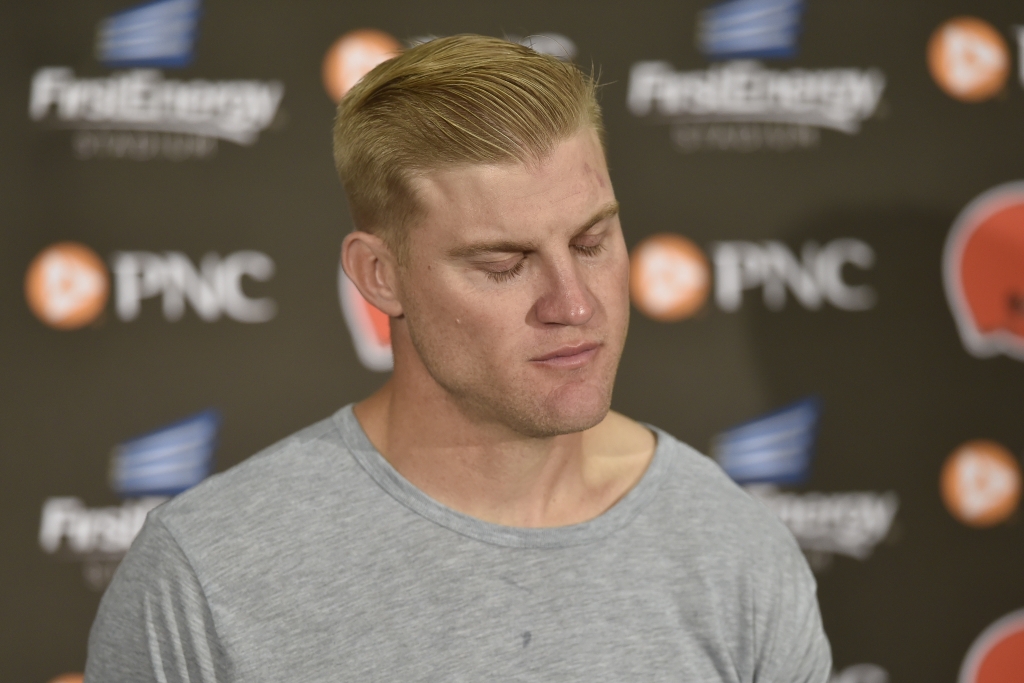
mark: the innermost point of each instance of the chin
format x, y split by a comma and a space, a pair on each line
567, 410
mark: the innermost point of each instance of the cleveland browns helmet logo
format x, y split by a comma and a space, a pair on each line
983, 269
370, 327
997, 655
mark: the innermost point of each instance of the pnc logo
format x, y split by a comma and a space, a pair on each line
968, 59
369, 326
997, 656
353, 56
67, 285
981, 483
669, 277
983, 271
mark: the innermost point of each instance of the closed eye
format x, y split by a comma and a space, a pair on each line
513, 271
589, 249
508, 273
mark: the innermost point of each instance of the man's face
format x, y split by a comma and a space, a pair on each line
515, 292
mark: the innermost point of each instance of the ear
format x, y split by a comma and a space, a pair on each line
373, 269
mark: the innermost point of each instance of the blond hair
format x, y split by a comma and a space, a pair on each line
465, 99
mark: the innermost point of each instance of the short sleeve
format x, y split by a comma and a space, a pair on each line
154, 623
793, 647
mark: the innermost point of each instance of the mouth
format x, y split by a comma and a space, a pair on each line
571, 356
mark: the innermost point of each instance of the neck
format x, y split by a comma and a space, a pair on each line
486, 470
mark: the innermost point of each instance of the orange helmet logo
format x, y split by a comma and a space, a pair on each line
981, 483
669, 277
968, 59
353, 56
984, 272
997, 656
66, 286
369, 326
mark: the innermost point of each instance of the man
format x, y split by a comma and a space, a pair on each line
483, 516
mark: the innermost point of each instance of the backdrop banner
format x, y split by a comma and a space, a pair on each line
824, 206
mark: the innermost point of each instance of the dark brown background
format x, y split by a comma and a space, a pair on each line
900, 393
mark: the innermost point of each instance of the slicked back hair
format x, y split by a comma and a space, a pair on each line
454, 101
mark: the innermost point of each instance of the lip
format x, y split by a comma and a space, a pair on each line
570, 356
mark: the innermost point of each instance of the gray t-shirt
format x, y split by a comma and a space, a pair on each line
316, 561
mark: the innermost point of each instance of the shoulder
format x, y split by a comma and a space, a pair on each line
698, 500
276, 483
721, 544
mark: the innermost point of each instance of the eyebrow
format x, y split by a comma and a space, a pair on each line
477, 248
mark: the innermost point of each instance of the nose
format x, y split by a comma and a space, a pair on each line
566, 299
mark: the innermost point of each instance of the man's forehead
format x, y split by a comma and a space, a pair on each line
568, 185
469, 243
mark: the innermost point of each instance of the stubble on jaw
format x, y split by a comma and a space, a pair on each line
498, 396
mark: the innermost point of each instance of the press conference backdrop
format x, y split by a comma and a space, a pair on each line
824, 204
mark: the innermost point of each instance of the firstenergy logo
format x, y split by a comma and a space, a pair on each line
144, 471
143, 100
138, 113
670, 277
745, 91
67, 285
741, 105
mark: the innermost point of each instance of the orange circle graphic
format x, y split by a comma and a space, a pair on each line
981, 483
968, 59
669, 277
66, 285
353, 56
68, 678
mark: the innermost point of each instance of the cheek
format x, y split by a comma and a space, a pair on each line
479, 323
490, 321
613, 283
